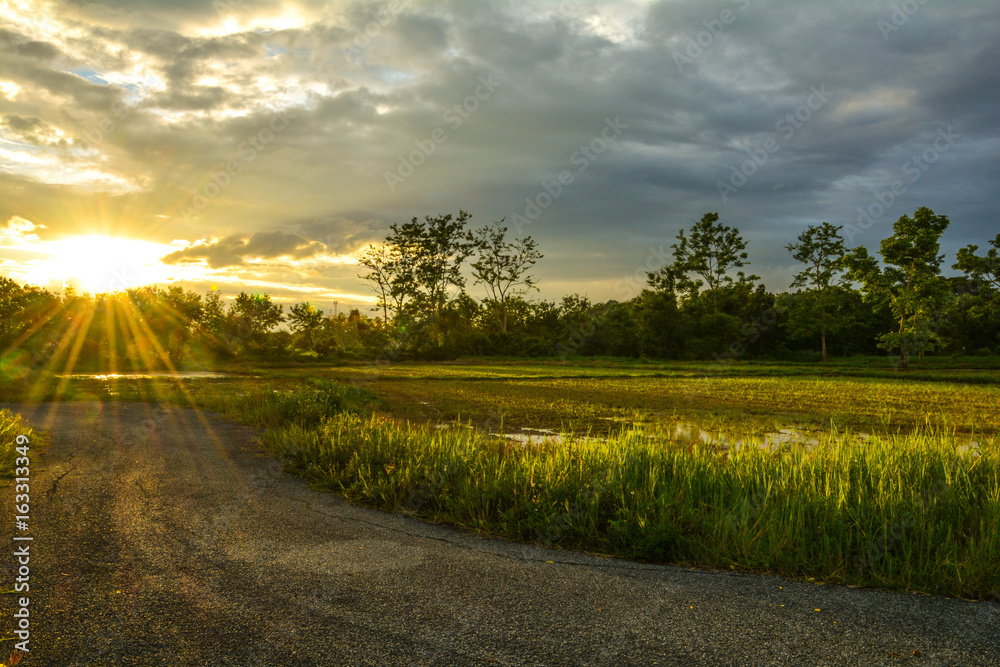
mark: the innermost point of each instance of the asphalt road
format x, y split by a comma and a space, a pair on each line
162, 537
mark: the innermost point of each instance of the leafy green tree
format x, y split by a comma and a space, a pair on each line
979, 295
541, 319
502, 266
306, 321
910, 283
662, 328
821, 249
391, 276
444, 248
30, 317
427, 259
254, 315
983, 271
15, 301
181, 311
213, 314
710, 252
617, 330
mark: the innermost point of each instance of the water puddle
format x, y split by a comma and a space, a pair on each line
534, 436
719, 440
772, 440
184, 375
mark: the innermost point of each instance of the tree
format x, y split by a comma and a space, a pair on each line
255, 315
28, 317
983, 271
13, 302
503, 266
305, 320
385, 271
444, 248
662, 331
821, 250
711, 251
910, 283
213, 314
980, 297
183, 310
427, 259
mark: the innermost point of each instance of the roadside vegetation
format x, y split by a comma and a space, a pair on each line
604, 399
796, 451
882, 482
445, 291
909, 512
11, 426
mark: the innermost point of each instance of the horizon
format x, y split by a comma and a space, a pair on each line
260, 147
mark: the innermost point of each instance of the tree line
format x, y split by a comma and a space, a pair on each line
701, 305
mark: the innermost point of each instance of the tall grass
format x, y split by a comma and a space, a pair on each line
906, 511
251, 401
265, 404
898, 511
11, 426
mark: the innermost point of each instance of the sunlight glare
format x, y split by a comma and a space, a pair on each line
98, 264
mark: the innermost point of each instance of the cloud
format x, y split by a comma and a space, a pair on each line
236, 251
152, 99
342, 235
19, 233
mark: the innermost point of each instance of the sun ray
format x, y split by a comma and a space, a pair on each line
111, 329
78, 338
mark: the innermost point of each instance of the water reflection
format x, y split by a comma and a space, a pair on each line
182, 375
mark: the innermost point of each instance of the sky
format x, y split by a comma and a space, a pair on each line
260, 146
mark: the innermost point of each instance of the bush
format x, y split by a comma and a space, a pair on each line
11, 426
807, 356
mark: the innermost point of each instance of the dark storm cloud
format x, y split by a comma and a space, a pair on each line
342, 235
23, 125
700, 87
234, 250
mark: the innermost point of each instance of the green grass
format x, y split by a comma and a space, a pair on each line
903, 512
902, 509
11, 426
604, 399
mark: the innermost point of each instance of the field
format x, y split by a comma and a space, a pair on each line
606, 397
844, 473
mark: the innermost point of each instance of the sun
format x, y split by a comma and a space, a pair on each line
97, 264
